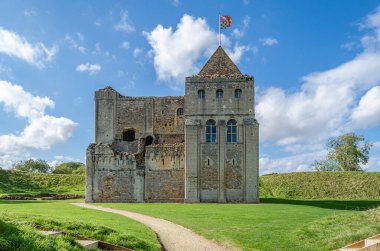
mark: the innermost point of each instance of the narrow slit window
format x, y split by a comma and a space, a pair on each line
201, 94
219, 95
238, 94
231, 131
211, 131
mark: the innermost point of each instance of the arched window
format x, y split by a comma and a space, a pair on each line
238, 93
180, 111
211, 131
148, 141
231, 131
219, 95
129, 135
201, 94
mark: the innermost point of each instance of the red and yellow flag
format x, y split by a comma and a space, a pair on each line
225, 22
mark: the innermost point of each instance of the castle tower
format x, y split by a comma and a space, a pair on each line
221, 134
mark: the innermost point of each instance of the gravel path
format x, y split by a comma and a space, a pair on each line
172, 236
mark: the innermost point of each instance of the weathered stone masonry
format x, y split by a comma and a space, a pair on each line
202, 147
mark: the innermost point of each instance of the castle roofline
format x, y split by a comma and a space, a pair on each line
219, 64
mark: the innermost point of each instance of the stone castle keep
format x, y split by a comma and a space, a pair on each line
202, 147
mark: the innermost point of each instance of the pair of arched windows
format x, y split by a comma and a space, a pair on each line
211, 131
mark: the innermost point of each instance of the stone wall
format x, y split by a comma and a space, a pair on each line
165, 173
114, 176
154, 116
154, 173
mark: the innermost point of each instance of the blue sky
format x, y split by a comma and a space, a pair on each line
316, 67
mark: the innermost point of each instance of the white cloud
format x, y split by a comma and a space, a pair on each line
125, 45
42, 132
368, 111
137, 52
99, 51
323, 106
30, 12
327, 104
76, 43
124, 23
240, 32
17, 46
59, 159
268, 41
349, 46
175, 2
91, 68
98, 22
177, 53
238, 52
299, 163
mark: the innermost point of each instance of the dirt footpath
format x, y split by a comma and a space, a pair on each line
172, 236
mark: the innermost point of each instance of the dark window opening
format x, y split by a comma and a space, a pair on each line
208, 162
201, 94
231, 131
233, 162
238, 93
219, 95
211, 131
163, 162
148, 141
180, 111
129, 135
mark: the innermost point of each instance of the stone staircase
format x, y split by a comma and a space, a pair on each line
369, 244
88, 243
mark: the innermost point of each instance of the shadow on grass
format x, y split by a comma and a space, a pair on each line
330, 204
8, 202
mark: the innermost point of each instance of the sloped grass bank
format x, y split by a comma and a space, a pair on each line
14, 236
16, 182
321, 185
339, 230
61, 215
272, 225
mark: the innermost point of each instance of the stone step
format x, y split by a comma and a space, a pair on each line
373, 240
88, 244
51, 233
369, 244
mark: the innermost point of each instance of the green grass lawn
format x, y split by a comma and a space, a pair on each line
60, 214
15, 182
275, 224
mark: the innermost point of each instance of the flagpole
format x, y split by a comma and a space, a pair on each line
219, 30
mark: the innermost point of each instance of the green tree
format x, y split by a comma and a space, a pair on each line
346, 153
69, 168
80, 170
31, 165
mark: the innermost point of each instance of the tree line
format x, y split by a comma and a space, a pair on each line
41, 166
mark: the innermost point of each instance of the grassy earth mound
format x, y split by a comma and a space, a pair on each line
321, 185
16, 182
